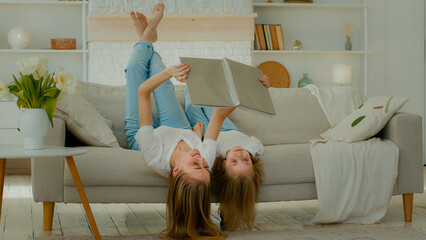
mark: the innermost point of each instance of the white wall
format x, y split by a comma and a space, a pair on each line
396, 51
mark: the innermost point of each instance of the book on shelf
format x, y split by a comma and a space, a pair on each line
274, 39
280, 36
256, 39
226, 83
261, 36
269, 37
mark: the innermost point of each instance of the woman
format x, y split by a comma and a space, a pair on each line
171, 148
237, 172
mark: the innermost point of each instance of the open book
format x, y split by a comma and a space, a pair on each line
226, 83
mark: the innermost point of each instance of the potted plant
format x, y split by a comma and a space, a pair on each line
38, 91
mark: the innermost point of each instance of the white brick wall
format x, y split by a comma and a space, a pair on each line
107, 60
172, 6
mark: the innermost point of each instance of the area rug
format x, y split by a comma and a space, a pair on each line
362, 232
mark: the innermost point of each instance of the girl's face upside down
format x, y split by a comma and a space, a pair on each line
238, 162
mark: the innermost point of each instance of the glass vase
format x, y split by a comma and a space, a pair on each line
304, 81
348, 45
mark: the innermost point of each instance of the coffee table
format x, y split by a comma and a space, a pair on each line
11, 151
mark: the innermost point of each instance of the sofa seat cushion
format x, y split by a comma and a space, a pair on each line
288, 164
283, 164
102, 166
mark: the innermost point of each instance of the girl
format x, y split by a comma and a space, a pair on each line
172, 149
237, 172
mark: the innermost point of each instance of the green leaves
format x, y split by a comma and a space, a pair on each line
358, 120
32, 93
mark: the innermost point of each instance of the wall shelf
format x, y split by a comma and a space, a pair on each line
42, 51
60, 3
308, 52
304, 5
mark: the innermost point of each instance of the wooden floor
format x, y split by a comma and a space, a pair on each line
22, 217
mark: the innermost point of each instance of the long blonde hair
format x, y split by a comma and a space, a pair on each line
237, 195
188, 210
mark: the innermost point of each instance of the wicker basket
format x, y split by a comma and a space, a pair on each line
277, 73
63, 43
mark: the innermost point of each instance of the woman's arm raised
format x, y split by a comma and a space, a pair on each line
180, 72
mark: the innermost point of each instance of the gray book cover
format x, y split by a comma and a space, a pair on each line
226, 83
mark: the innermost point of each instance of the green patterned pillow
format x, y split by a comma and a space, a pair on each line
366, 121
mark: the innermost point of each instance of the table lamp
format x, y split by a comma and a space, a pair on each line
342, 74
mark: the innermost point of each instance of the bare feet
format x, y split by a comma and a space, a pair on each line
140, 22
150, 34
198, 129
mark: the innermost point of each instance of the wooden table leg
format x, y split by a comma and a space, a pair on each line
2, 173
83, 197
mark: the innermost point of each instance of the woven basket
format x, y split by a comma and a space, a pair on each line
63, 43
277, 73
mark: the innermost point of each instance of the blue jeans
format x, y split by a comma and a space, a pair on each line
143, 64
203, 114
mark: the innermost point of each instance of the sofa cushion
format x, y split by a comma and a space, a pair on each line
114, 167
287, 164
283, 164
299, 118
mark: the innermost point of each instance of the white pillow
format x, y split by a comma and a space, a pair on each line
85, 122
366, 121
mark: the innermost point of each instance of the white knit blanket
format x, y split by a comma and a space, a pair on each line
354, 181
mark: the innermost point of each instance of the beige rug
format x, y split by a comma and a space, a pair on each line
359, 232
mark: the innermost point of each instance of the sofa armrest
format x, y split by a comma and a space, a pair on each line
405, 130
47, 174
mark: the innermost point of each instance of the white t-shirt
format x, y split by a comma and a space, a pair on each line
158, 145
229, 139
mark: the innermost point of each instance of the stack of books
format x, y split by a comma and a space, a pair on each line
269, 37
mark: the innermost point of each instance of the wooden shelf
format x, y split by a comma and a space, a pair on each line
43, 51
307, 52
59, 3
197, 27
308, 5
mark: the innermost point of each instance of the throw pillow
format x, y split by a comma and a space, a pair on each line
366, 121
85, 122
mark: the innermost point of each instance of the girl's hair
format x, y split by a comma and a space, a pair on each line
237, 195
188, 210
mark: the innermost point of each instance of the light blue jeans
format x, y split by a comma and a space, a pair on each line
143, 64
203, 114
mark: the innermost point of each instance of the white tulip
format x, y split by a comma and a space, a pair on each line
37, 66
4, 91
66, 82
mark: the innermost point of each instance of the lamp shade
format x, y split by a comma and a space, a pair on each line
342, 74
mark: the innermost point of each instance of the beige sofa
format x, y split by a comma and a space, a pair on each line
119, 175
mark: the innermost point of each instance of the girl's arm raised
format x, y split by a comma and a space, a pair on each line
219, 115
180, 72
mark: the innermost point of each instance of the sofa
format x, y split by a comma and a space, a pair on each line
120, 175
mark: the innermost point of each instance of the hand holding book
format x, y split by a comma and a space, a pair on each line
179, 72
225, 83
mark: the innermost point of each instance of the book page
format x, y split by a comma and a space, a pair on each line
206, 82
251, 92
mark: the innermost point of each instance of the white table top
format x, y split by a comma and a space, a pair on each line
18, 151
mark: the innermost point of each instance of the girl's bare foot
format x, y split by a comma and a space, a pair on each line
151, 30
198, 129
140, 22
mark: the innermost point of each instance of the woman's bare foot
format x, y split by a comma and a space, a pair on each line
198, 129
150, 34
140, 22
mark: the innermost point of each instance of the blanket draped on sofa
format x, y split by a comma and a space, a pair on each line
354, 181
